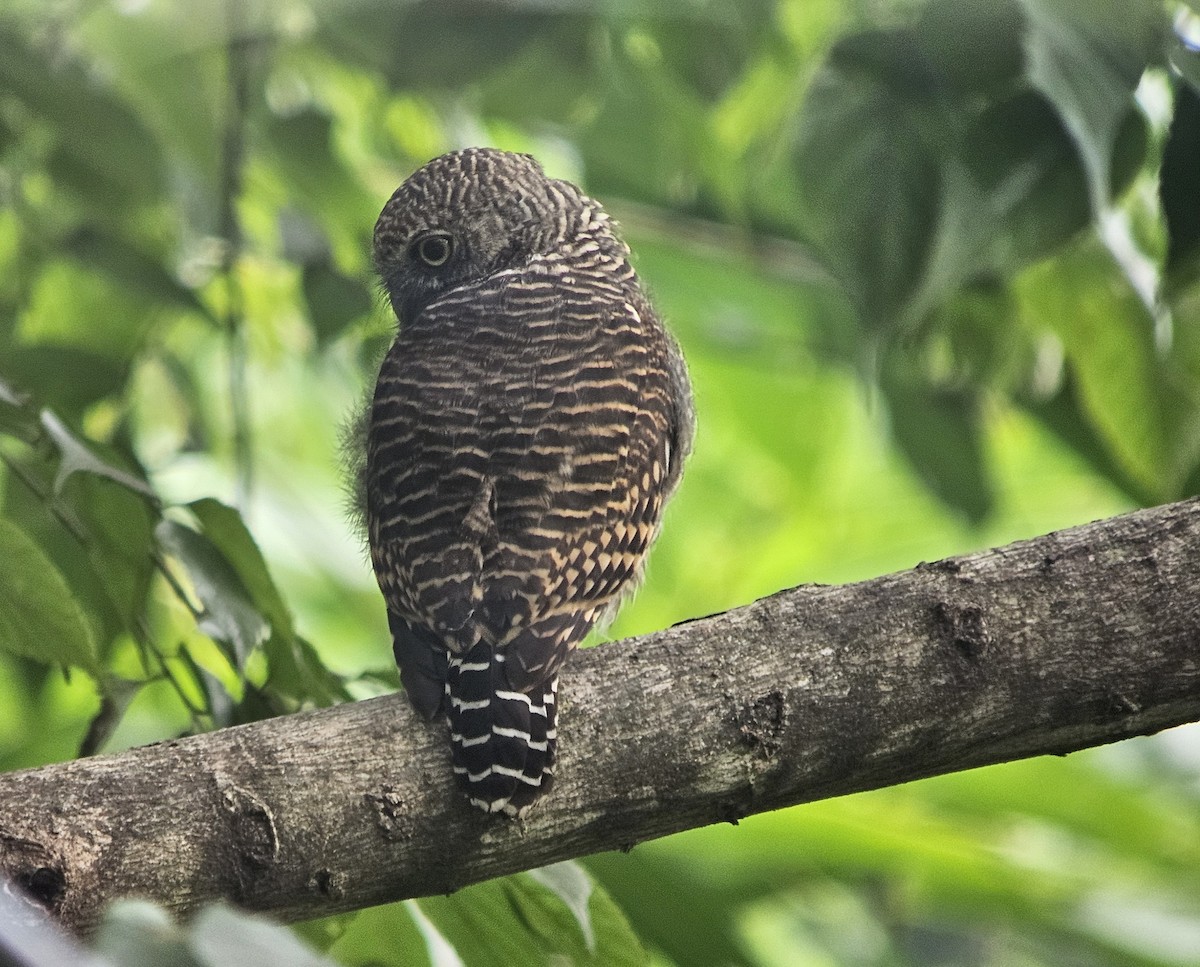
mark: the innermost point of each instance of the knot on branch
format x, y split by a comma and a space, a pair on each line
760, 722
963, 627
391, 814
38, 875
253, 837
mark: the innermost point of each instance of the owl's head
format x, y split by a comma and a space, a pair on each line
469, 214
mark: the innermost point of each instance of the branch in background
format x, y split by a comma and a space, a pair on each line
237, 81
1050, 645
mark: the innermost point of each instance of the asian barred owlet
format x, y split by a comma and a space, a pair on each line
530, 421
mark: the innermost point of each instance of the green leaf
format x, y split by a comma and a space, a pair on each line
1087, 57
1063, 414
692, 919
223, 525
96, 131
296, 670
571, 884
383, 935
230, 616
76, 456
301, 150
1123, 385
519, 920
39, 616
121, 525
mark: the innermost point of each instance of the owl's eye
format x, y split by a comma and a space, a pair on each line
434, 249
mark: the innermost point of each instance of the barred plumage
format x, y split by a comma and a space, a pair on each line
528, 424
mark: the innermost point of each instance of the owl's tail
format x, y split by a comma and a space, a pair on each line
502, 740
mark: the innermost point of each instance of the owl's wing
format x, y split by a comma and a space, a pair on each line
525, 435
608, 448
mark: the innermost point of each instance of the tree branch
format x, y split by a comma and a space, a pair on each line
1046, 646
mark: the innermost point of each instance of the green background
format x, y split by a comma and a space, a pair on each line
935, 265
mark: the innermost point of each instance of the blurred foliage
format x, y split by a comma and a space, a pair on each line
936, 268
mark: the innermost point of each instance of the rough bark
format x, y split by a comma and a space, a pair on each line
1069, 640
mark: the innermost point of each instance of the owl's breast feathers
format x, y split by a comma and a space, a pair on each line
525, 434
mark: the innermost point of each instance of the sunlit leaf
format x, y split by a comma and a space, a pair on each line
1108, 337
9, 395
136, 933
29, 940
39, 616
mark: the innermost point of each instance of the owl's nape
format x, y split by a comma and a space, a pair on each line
528, 425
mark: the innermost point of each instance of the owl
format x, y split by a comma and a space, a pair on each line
529, 423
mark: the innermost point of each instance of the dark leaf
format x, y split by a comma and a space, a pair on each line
132, 269
1086, 57
940, 433
67, 379
229, 616
1023, 158
224, 527
871, 183
335, 301
974, 47
298, 673
296, 670
116, 695
1179, 184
